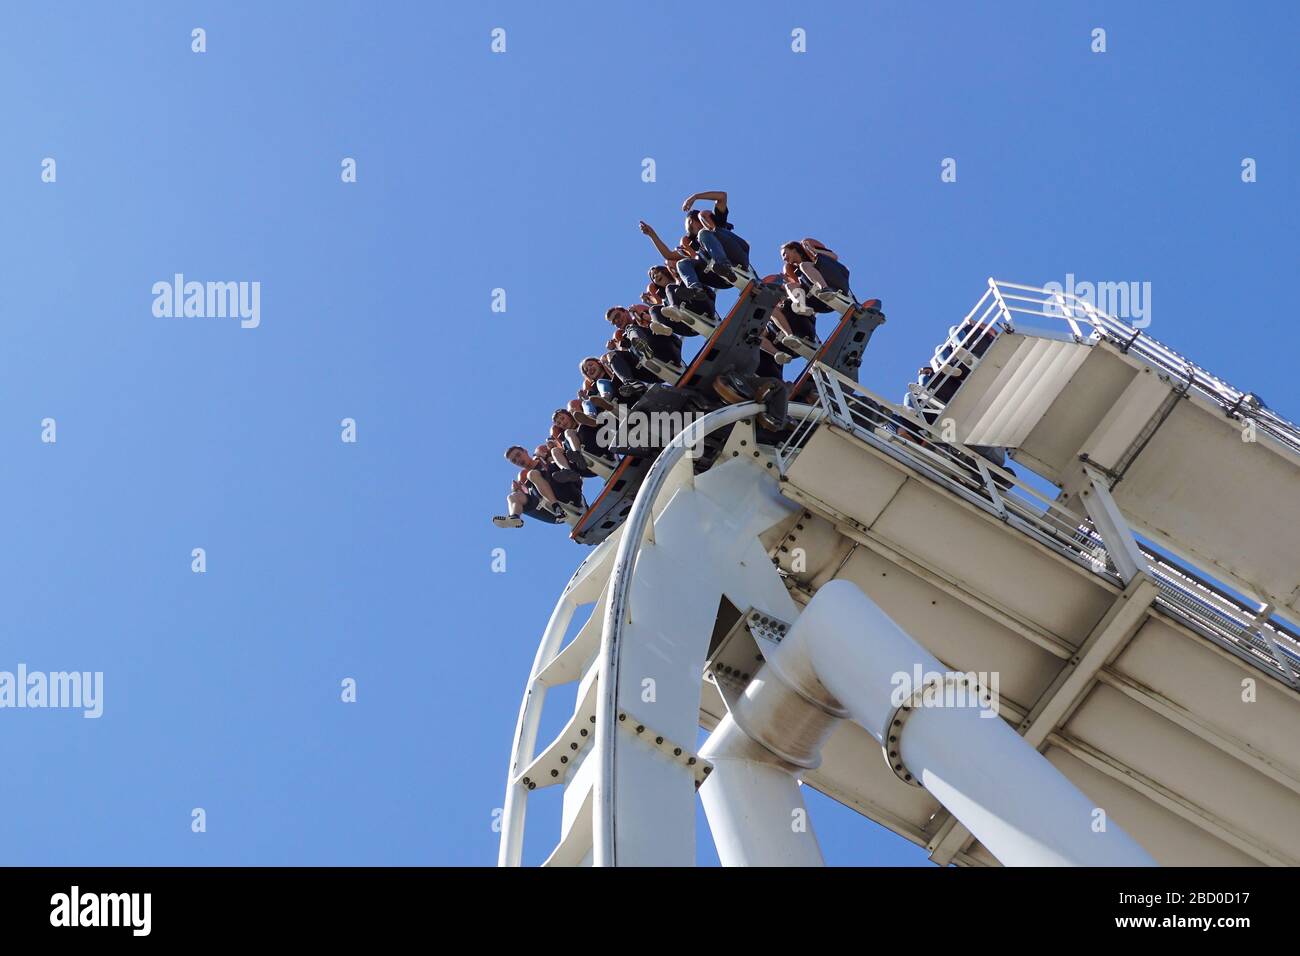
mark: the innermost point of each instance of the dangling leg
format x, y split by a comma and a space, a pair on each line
776, 396
515, 502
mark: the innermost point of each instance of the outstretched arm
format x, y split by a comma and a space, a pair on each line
718, 197
668, 254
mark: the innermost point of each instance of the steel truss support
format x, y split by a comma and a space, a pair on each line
1112, 526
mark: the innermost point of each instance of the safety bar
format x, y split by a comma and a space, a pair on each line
901, 433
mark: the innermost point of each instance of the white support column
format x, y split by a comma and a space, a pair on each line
754, 804
1112, 526
845, 651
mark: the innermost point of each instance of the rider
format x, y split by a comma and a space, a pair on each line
579, 437
641, 335
756, 377
705, 256
715, 238
819, 270
794, 315
565, 483
736, 385
666, 295
531, 493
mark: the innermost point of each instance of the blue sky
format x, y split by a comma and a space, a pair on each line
522, 171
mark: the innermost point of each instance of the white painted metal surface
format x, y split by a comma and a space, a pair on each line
1195, 465
582, 588
754, 804
844, 650
663, 600
1161, 696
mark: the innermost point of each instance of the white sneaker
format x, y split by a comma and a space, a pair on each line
836, 300
802, 346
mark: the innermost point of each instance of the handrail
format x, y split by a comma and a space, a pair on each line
605, 842
1257, 638
920, 446
925, 445
1007, 300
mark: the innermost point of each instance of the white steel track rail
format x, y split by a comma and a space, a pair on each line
634, 531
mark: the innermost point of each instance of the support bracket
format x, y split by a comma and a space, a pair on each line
1112, 525
679, 754
891, 735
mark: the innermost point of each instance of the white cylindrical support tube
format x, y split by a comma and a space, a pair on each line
1021, 807
754, 804
845, 651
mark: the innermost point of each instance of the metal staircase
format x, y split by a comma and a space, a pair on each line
1195, 465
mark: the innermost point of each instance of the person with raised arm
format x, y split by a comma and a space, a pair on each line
715, 238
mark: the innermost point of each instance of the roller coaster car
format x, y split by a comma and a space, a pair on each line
732, 346
843, 348
654, 420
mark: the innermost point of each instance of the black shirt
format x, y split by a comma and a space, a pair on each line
720, 221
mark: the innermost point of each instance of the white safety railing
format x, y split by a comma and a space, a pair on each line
1007, 306
970, 472
905, 436
1226, 618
